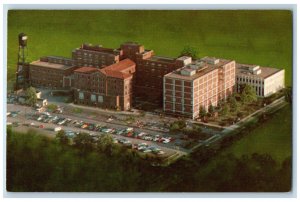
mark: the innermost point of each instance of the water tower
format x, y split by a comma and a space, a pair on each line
22, 73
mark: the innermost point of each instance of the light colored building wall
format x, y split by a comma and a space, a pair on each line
263, 87
274, 83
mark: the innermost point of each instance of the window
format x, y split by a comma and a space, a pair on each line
100, 98
93, 98
81, 95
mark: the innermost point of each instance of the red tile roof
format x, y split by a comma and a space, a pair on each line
121, 66
115, 74
117, 70
86, 69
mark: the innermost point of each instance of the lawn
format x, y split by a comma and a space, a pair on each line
272, 137
253, 37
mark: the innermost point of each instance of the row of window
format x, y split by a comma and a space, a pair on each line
92, 97
248, 80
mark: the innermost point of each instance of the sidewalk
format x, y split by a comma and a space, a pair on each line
135, 112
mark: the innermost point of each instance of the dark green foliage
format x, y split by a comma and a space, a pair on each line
83, 142
52, 107
202, 112
225, 110
248, 94
288, 94
177, 125
189, 51
37, 163
195, 133
105, 144
233, 103
62, 138
211, 109
31, 97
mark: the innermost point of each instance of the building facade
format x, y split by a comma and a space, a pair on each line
264, 80
110, 87
121, 77
199, 84
95, 56
43, 73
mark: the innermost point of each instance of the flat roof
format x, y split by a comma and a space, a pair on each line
204, 68
241, 70
86, 69
50, 65
162, 59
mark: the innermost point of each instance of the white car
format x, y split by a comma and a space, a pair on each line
56, 129
129, 129
147, 150
166, 141
143, 144
141, 148
46, 113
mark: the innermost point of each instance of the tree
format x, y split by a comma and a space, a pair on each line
84, 142
31, 97
225, 110
62, 138
202, 112
211, 109
189, 51
248, 94
52, 107
105, 144
177, 125
288, 94
233, 103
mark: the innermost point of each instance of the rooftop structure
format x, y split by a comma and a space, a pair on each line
197, 68
255, 70
50, 65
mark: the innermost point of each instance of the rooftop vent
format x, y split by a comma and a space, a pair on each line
211, 60
187, 72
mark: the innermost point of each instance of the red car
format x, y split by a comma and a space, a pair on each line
41, 126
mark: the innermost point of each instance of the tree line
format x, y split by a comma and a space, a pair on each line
39, 163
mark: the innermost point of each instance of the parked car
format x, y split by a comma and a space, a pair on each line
147, 150
56, 129
84, 126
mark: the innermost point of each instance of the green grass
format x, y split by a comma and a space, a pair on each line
254, 37
273, 137
77, 110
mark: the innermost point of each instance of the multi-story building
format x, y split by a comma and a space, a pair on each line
199, 84
95, 56
111, 78
264, 80
110, 87
150, 70
43, 73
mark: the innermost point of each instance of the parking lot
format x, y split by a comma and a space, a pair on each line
143, 140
